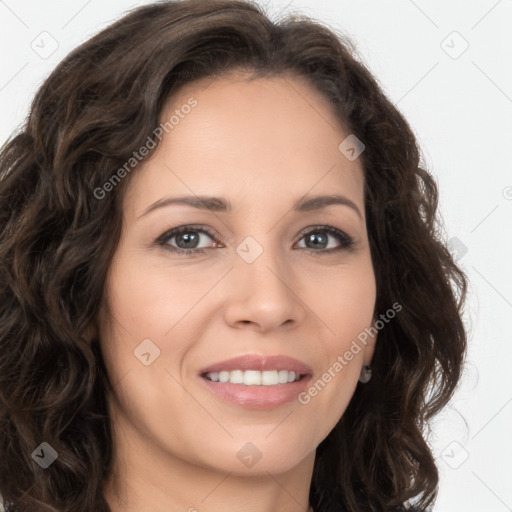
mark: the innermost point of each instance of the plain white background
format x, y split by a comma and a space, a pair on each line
446, 65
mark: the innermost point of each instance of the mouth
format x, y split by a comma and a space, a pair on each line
257, 382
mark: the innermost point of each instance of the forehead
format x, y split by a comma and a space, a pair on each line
272, 137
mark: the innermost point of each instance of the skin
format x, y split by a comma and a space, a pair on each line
262, 145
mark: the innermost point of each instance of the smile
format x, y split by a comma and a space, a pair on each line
257, 381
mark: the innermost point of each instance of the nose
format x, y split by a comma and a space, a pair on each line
264, 294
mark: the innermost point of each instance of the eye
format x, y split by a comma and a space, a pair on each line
317, 240
187, 239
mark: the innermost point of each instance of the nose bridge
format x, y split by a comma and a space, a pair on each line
261, 265
263, 291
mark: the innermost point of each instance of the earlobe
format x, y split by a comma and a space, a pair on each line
366, 374
366, 370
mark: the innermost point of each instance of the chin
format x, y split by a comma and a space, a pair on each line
259, 456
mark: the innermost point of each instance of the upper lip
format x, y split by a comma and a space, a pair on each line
261, 363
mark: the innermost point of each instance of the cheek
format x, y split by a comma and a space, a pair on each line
151, 299
345, 303
344, 300
139, 310
144, 307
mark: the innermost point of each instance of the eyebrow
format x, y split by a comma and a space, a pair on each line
220, 204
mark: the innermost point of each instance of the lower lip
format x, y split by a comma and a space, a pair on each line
257, 397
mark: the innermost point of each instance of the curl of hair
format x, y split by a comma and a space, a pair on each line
57, 239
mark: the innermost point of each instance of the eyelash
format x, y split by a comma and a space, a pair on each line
346, 241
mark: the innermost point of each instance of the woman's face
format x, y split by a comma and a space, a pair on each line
265, 281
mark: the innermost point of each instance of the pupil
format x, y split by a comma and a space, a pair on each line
314, 238
188, 239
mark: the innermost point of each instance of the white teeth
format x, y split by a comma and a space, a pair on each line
236, 377
283, 376
254, 377
269, 378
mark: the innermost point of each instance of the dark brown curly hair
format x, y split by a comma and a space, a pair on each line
57, 239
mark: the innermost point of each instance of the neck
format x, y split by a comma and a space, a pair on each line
213, 492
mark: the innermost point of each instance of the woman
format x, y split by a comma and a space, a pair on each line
222, 281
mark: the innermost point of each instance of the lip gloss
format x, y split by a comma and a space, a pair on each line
258, 396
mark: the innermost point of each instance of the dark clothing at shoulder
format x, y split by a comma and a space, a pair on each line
334, 505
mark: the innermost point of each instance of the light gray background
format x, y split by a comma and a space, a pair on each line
459, 103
